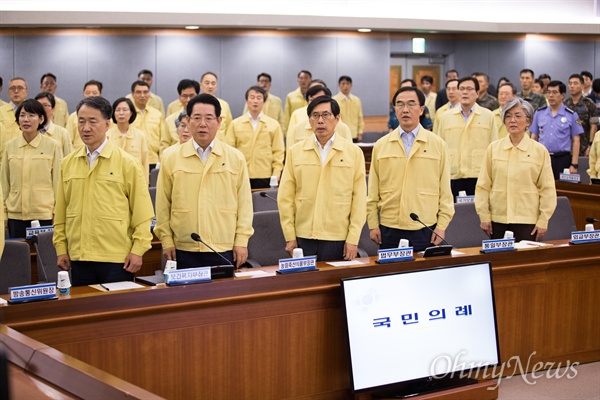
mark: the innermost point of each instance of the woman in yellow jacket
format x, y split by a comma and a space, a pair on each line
515, 190
130, 139
30, 171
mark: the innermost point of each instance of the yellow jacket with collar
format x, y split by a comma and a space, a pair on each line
351, 112
61, 113
594, 169
272, 108
420, 184
134, 142
467, 142
29, 175
263, 149
226, 119
61, 135
516, 184
325, 202
154, 127
103, 213
212, 199
73, 131
7, 118
293, 101
174, 107
154, 101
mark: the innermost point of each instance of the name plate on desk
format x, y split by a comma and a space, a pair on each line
188, 276
44, 291
393, 255
489, 246
31, 232
465, 199
585, 237
575, 178
288, 265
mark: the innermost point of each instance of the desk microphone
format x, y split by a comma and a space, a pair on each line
197, 238
265, 194
591, 220
415, 217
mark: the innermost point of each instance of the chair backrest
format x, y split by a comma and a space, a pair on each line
152, 190
267, 245
153, 177
365, 243
372, 137
15, 265
46, 258
260, 203
464, 229
584, 165
562, 222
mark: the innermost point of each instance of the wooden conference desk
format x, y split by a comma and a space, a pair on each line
284, 336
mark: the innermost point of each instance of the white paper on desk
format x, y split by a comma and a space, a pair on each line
252, 273
114, 286
3, 302
529, 244
345, 263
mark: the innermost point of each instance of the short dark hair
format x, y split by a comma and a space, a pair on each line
204, 98
427, 78
513, 87
46, 95
317, 80
471, 79
583, 73
576, 76
452, 70
540, 82
335, 107
596, 85
486, 76
208, 73
305, 72
99, 103
46, 75
144, 72
32, 106
527, 71
131, 108
543, 76
562, 88
1, 81
139, 83
265, 75
311, 91
450, 81
93, 82
257, 89
344, 78
186, 84
420, 95
412, 82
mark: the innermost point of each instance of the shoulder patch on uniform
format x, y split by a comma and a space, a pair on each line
569, 110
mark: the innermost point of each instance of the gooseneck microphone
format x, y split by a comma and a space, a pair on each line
415, 217
591, 220
265, 194
197, 238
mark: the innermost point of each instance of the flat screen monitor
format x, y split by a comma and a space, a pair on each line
420, 330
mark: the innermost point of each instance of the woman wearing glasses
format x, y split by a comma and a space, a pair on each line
515, 190
30, 171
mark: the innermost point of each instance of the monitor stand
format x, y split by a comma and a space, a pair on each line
423, 386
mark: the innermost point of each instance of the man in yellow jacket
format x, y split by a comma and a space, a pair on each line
322, 195
103, 207
259, 138
410, 173
203, 188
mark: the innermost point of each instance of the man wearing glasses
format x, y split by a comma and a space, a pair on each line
17, 91
322, 194
468, 130
203, 188
410, 173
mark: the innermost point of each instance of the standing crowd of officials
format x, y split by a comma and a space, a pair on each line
87, 173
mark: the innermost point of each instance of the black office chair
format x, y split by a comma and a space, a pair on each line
46, 257
152, 191
267, 245
584, 165
366, 247
562, 222
153, 177
464, 229
263, 203
15, 265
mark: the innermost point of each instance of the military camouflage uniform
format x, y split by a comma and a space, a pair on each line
536, 100
586, 109
489, 102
